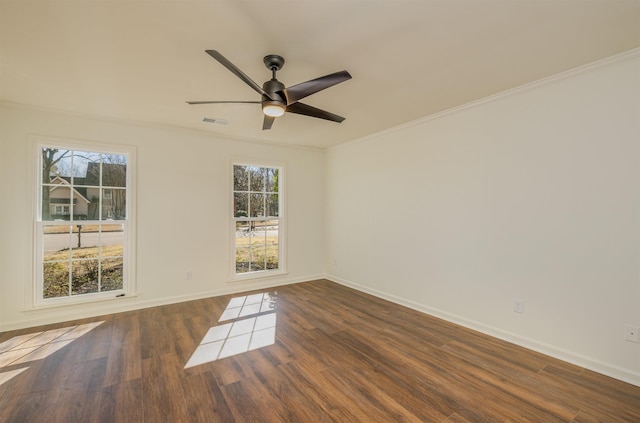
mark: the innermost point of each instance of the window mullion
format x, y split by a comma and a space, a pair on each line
71, 188
70, 284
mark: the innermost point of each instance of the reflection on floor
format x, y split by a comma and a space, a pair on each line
37, 346
252, 325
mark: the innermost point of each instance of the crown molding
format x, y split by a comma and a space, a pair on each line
608, 61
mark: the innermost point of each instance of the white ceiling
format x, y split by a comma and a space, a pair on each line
141, 60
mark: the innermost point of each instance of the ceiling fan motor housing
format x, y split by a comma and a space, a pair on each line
274, 97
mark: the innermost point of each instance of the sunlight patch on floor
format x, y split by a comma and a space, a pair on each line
252, 326
37, 346
5, 376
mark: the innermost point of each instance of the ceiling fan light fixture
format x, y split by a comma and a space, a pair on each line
273, 108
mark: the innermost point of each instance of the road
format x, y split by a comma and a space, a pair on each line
57, 242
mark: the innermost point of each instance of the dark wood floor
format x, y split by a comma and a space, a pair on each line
338, 356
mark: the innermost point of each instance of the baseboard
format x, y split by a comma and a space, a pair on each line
598, 366
82, 311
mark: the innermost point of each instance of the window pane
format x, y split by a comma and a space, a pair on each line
64, 197
56, 200
242, 259
84, 276
240, 204
271, 180
256, 179
257, 205
93, 207
114, 170
86, 168
259, 232
85, 240
53, 164
56, 242
55, 279
114, 204
272, 250
240, 178
272, 260
243, 252
242, 230
258, 248
272, 205
112, 241
258, 256
56, 162
111, 274
80, 203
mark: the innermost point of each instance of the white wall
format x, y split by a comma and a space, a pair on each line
533, 194
182, 211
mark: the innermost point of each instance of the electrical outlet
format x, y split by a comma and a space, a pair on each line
632, 333
518, 305
188, 275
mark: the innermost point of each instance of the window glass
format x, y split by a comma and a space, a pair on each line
257, 218
87, 254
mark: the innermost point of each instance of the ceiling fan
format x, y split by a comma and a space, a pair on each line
278, 99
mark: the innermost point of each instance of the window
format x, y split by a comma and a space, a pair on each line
257, 220
59, 210
83, 224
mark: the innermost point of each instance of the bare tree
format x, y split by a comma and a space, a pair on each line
50, 158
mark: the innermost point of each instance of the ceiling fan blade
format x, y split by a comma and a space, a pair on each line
236, 71
304, 89
305, 109
267, 122
223, 102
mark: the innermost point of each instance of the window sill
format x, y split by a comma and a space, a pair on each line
252, 276
73, 304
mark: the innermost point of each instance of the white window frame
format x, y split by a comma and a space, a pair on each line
36, 289
282, 232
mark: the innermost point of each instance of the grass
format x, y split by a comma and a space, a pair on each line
84, 271
252, 254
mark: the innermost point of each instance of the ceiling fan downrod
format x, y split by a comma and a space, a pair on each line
273, 104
